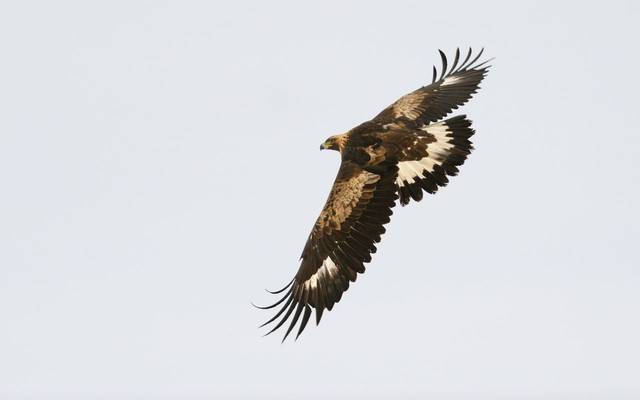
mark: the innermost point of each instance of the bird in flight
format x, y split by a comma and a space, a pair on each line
407, 149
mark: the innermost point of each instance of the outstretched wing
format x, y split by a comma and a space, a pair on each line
341, 241
430, 154
451, 90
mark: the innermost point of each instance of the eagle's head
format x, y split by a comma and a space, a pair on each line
335, 142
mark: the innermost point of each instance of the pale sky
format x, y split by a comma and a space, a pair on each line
159, 166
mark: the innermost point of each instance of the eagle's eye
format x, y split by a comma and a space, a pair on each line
328, 144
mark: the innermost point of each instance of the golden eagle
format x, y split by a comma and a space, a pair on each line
406, 149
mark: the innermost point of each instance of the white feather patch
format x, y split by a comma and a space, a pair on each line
328, 268
451, 80
437, 153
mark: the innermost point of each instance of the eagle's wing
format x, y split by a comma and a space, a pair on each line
430, 154
341, 241
451, 90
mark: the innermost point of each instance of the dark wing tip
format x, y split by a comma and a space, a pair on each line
466, 58
469, 63
305, 319
444, 63
281, 290
293, 321
484, 65
284, 318
294, 301
455, 60
274, 304
319, 312
284, 307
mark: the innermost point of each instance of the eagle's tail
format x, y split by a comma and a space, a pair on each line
446, 147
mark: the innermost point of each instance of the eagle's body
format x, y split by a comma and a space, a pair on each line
406, 149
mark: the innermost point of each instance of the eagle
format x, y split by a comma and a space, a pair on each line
407, 149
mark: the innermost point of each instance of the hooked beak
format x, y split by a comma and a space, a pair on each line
323, 146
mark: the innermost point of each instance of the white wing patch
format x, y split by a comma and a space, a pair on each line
327, 269
437, 153
450, 80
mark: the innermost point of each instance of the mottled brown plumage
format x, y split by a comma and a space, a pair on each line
404, 151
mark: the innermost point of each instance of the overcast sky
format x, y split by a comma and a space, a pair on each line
159, 168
